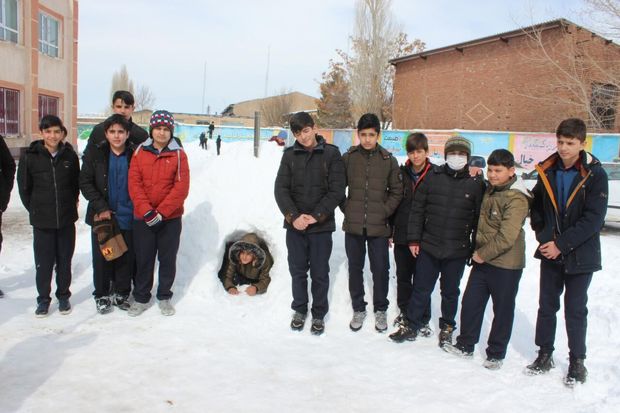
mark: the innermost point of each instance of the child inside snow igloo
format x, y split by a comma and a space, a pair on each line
247, 261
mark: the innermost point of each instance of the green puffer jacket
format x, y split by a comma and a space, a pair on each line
500, 240
375, 189
256, 270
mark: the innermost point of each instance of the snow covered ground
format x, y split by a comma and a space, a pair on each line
223, 353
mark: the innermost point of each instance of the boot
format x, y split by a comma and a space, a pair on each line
445, 335
577, 372
542, 364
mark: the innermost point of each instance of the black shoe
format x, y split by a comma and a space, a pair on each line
445, 335
42, 309
404, 333
577, 372
399, 320
298, 321
64, 306
542, 364
425, 331
104, 305
121, 301
318, 326
458, 350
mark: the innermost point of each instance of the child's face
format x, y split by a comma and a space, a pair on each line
246, 257
368, 138
161, 136
417, 158
116, 136
307, 137
52, 136
121, 108
499, 174
569, 148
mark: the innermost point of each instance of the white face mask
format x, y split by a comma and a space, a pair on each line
456, 162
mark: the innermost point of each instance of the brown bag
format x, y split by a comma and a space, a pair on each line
111, 241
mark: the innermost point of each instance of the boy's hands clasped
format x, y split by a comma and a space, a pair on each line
302, 222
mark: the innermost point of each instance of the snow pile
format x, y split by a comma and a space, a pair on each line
237, 354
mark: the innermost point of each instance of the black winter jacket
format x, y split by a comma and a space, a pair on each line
94, 177
444, 212
577, 232
401, 217
49, 187
310, 182
7, 174
137, 134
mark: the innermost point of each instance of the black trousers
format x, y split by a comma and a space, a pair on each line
161, 242
501, 285
428, 269
309, 252
378, 254
553, 280
117, 273
405, 278
53, 247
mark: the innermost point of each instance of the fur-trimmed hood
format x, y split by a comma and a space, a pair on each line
249, 242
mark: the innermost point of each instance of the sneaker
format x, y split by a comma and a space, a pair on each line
166, 308
298, 321
42, 309
137, 308
542, 364
425, 331
121, 301
318, 326
404, 333
358, 320
445, 335
493, 364
64, 306
380, 321
457, 350
104, 305
577, 372
399, 320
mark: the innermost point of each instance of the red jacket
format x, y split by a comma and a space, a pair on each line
159, 180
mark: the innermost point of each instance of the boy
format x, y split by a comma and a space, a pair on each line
375, 189
47, 178
498, 261
413, 172
443, 218
103, 181
122, 104
568, 212
309, 186
158, 185
7, 177
249, 262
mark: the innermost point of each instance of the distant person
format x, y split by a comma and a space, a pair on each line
203, 140
374, 191
47, 178
211, 129
158, 186
568, 213
7, 167
218, 144
309, 186
123, 103
247, 261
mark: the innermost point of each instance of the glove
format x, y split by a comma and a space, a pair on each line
152, 218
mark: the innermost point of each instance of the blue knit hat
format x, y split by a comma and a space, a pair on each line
162, 118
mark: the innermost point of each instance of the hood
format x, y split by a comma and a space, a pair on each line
249, 242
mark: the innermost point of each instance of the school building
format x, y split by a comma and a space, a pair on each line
38, 67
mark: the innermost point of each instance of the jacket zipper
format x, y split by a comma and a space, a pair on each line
55, 192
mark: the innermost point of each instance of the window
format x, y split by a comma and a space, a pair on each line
9, 111
603, 105
48, 105
48, 35
8, 20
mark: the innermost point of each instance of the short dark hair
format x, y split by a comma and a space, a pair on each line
416, 141
299, 121
369, 121
501, 157
64, 130
123, 95
572, 128
49, 121
116, 119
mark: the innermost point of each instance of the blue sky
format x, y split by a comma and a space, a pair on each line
165, 44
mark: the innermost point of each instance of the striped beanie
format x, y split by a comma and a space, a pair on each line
457, 143
162, 118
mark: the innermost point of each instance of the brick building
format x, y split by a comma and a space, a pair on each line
38, 67
524, 80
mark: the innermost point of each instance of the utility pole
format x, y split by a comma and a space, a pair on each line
267, 72
204, 87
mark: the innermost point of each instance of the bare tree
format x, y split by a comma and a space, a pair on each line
121, 81
144, 97
276, 109
605, 16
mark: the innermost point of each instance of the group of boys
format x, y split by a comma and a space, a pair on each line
441, 218
135, 184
